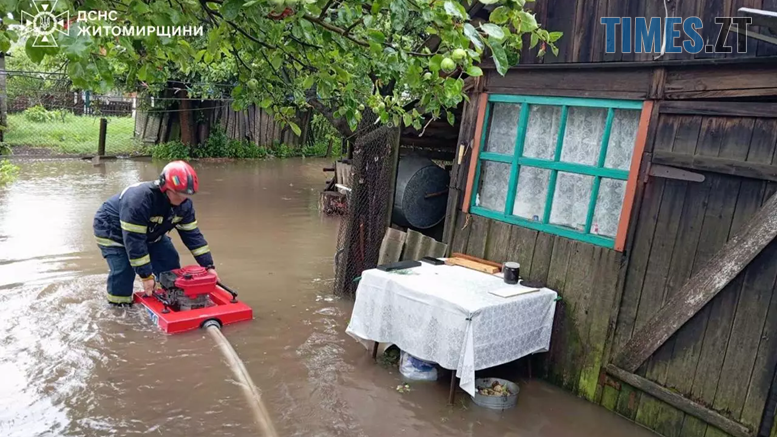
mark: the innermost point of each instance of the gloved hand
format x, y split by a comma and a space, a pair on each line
213, 272
148, 285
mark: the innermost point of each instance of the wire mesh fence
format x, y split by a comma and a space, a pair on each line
364, 225
44, 111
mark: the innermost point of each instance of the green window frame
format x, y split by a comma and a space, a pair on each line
517, 160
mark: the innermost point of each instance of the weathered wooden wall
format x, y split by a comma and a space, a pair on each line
253, 124
724, 358
584, 35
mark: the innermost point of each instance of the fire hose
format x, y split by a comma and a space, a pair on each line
254, 398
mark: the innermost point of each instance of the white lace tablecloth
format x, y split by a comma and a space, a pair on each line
446, 314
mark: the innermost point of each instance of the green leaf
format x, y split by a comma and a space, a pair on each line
407, 119
499, 55
377, 36
534, 40
451, 118
474, 71
230, 9
500, 15
400, 14
554, 49
309, 81
276, 60
297, 131
555, 36
237, 91
143, 73
473, 35
434, 63
455, 9
250, 3
493, 30
489, 2
35, 54
140, 8
528, 22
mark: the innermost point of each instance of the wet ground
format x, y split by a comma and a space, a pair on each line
72, 366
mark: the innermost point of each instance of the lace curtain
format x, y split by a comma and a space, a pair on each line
582, 141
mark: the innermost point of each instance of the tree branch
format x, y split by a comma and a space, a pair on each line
350, 28
324, 9
338, 123
343, 33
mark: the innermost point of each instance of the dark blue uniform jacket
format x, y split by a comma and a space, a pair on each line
142, 214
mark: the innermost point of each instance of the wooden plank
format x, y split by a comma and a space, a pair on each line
578, 297
710, 9
586, 24
521, 248
561, 17
766, 360
638, 262
680, 402
540, 263
764, 48
551, 92
604, 287
722, 78
476, 246
722, 268
721, 109
485, 268
476, 259
633, 181
461, 230
722, 94
557, 276
615, 8
718, 165
483, 103
498, 240
613, 80
652, 412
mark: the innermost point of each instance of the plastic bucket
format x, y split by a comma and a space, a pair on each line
496, 402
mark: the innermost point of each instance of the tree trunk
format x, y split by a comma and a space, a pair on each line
188, 127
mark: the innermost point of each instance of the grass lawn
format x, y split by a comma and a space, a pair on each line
76, 134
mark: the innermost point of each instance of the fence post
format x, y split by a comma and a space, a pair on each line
101, 141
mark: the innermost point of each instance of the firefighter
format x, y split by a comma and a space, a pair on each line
131, 231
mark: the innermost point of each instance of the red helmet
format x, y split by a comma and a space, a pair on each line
180, 177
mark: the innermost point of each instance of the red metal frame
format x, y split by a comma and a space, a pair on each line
175, 322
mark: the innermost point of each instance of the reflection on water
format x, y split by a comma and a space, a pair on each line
72, 366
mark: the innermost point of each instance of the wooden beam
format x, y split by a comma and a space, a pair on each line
717, 165
724, 266
723, 109
475, 150
681, 403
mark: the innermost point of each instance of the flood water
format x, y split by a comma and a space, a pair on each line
73, 366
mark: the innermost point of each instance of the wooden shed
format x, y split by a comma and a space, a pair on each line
642, 190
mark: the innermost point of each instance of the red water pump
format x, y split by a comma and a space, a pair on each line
191, 296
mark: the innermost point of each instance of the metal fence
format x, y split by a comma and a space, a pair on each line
44, 112
363, 227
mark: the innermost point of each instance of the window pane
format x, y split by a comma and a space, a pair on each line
583, 135
623, 135
608, 207
503, 128
542, 131
570, 200
530, 195
494, 177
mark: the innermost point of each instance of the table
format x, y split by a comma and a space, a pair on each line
445, 314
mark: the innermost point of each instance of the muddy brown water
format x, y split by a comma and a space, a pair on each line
72, 366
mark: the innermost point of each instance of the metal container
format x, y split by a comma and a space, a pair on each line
421, 196
496, 402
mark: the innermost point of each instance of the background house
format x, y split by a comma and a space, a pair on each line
632, 184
